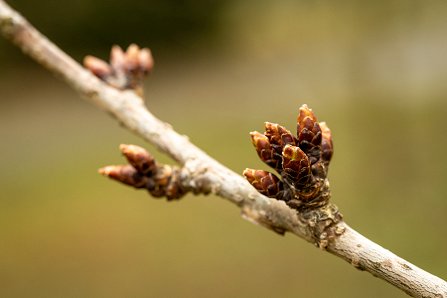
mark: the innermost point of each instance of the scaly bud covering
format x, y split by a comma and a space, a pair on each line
144, 172
301, 161
125, 174
309, 133
265, 150
296, 166
326, 143
139, 158
278, 136
265, 182
126, 69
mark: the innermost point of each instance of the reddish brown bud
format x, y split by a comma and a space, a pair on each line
309, 134
98, 67
296, 166
278, 136
266, 183
126, 69
139, 158
144, 172
326, 143
301, 161
125, 174
304, 112
265, 150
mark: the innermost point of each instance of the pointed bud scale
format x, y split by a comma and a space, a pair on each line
304, 112
309, 134
296, 166
278, 136
264, 150
264, 182
139, 158
326, 143
125, 174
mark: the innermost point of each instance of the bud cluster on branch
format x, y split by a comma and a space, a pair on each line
144, 172
302, 162
126, 69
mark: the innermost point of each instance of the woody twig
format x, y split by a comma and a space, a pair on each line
303, 210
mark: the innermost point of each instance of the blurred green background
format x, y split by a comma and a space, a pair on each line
374, 71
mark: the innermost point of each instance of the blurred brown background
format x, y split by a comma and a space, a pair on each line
374, 71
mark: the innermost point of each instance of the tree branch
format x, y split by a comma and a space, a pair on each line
204, 174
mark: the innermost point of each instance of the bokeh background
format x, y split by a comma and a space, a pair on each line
375, 71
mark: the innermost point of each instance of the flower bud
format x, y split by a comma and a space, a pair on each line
264, 182
309, 134
278, 136
265, 150
296, 166
139, 158
125, 174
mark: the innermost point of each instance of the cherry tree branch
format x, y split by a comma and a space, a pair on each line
203, 174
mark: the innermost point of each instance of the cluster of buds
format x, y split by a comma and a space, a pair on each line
126, 69
302, 162
145, 173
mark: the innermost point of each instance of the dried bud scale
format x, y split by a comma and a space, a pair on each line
144, 172
126, 70
302, 163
